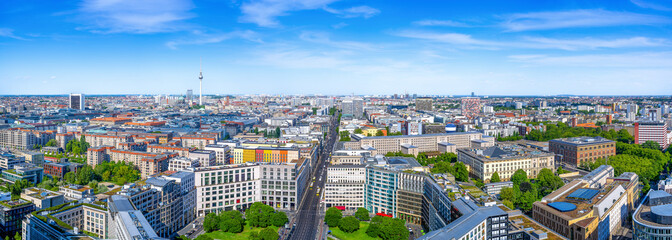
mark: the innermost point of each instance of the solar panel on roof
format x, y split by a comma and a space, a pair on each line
584, 194
562, 206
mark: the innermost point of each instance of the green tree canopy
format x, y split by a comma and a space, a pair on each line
362, 214
349, 224
279, 219
333, 217
495, 178
519, 177
268, 234
651, 145
211, 222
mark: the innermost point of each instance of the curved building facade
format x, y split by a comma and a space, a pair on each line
653, 218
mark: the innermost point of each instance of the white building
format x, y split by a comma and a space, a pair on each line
345, 186
181, 163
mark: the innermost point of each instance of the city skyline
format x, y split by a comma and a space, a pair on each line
336, 47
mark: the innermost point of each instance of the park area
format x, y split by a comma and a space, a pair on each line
244, 235
356, 235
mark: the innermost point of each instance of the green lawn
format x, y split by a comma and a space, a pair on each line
356, 235
245, 235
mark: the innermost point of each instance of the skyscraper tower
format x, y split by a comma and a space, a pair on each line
200, 89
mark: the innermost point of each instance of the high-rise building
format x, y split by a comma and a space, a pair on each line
470, 106
77, 101
652, 131
424, 104
11, 213
190, 96
353, 107
652, 218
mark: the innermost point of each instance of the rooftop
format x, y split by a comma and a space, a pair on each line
580, 141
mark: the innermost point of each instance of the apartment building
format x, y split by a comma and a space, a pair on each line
579, 150
98, 155
187, 182
62, 139
23, 139
9, 160
199, 140
167, 148
181, 163
95, 140
579, 211
424, 143
265, 154
148, 163
206, 158
345, 186
132, 146
222, 152
505, 160
76, 192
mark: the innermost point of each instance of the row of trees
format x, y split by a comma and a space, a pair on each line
646, 162
117, 172
382, 227
562, 130
262, 215
525, 192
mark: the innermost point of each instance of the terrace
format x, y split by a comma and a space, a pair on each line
39, 193
15, 203
528, 225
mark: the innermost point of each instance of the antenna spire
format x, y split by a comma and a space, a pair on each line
200, 78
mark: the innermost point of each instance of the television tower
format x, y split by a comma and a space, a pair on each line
200, 89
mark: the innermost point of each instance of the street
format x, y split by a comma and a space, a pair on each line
309, 215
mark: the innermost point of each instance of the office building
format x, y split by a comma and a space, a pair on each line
579, 150
353, 107
42, 198
11, 213
206, 158
76, 192
35, 158
652, 131
344, 186
424, 104
470, 106
505, 160
473, 222
424, 143
496, 188
75, 221
265, 154
160, 201
181, 163
187, 183
436, 205
653, 218
77, 101
127, 222
409, 197
222, 152
9, 160
582, 209
23, 172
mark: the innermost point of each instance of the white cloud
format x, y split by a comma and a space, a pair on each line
339, 25
324, 38
8, 32
661, 5
52, 77
535, 42
135, 16
577, 19
443, 23
622, 60
353, 12
199, 38
265, 12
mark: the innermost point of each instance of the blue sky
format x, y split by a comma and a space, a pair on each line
336, 47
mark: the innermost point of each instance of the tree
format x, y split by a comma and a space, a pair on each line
526, 200
442, 167
359, 131
526, 187
495, 178
70, 177
277, 134
393, 228
349, 224
374, 228
333, 216
211, 222
651, 145
508, 204
231, 221
51, 143
17, 236
548, 182
259, 215
518, 177
362, 214
379, 133
506, 193
279, 219
268, 234
461, 173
